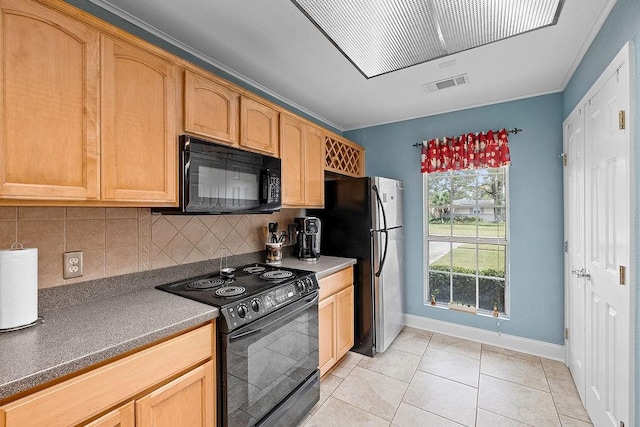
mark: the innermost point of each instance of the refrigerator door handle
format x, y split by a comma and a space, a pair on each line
379, 200
384, 254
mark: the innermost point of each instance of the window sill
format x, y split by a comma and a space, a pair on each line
482, 313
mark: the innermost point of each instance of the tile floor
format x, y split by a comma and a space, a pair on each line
429, 379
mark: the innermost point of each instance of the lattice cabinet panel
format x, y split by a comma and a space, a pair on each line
343, 156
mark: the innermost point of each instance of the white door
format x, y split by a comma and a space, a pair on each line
574, 146
607, 249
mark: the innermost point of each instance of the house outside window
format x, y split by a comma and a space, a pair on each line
466, 238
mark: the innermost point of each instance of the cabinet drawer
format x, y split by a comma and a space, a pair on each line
91, 393
336, 282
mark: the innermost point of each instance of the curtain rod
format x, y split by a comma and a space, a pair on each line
513, 131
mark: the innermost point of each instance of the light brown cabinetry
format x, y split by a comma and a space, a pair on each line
139, 148
120, 417
301, 151
327, 334
49, 81
111, 388
335, 318
210, 109
84, 117
258, 127
90, 116
344, 321
186, 401
343, 156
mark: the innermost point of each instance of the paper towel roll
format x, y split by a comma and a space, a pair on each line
18, 287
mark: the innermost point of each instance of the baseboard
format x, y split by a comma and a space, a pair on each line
511, 342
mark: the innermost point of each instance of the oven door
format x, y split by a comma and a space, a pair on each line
270, 362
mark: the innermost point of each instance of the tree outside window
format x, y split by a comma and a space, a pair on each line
466, 243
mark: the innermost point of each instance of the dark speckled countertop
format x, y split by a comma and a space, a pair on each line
93, 321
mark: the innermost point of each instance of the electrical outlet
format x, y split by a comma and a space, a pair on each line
73, 265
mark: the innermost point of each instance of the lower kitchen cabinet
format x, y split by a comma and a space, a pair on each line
327, 334
171, 383
185, 401
124, 416
335, 318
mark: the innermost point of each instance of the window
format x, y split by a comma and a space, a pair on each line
466, 242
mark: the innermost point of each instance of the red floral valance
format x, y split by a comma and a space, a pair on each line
468, 151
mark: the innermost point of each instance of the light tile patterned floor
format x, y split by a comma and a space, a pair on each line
427, 379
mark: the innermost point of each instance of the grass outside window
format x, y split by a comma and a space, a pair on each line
466, 243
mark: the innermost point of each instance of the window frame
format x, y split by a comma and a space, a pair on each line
466, 239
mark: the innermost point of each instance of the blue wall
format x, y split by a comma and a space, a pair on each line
536, 215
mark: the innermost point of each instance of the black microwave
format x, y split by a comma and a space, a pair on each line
217, 179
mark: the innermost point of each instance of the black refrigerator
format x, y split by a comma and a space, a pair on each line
362, 219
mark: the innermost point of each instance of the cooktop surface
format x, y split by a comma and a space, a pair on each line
234, 284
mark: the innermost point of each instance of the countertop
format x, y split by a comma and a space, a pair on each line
323, 267
108, 317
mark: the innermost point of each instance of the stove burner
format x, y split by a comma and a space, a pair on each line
230, 291
276, 275
255, 269
205, 284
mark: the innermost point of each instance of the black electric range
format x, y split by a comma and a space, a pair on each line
245, 294
268, 341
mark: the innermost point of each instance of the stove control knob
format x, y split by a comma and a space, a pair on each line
309, 283
256, 304
242, 310
300, 285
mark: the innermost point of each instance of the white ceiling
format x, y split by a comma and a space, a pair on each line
272, 45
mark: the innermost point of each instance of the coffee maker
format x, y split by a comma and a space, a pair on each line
307, 238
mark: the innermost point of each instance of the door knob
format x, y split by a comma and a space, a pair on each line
581, 273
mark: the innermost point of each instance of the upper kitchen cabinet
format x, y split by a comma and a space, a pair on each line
343, 156
49, 81
301, 151
258, 127
139, 144
211, 110
314, 167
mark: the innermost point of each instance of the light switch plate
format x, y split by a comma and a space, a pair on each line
73, 265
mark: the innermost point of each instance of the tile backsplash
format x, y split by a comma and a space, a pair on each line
117, 241
181, 239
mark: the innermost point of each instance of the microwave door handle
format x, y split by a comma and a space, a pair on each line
264, 185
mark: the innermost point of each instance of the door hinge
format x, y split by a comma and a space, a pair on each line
621, 120
566, 246
566, 333
564, 158
623, 273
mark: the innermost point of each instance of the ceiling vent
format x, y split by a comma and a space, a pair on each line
446, 83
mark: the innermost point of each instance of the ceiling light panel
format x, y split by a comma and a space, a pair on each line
466, 24
379, 36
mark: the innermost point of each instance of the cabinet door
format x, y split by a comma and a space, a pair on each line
327, 334
121, 417
314, 168
292, 153
344, 321
139, 141
187, 401
211, 110
49, 81
258, 127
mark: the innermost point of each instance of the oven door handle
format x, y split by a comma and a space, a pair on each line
243, 332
